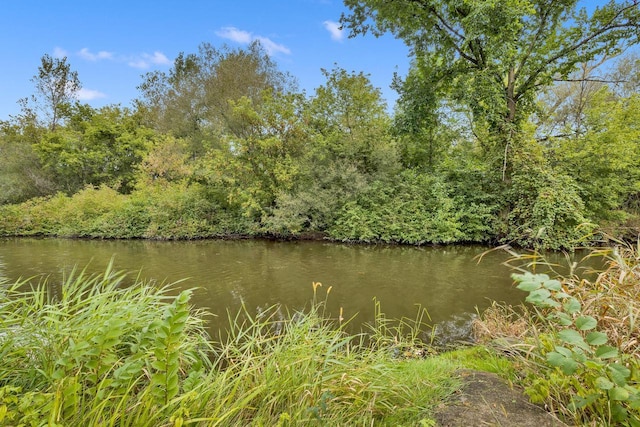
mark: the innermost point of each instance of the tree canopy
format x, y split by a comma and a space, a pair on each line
495, 56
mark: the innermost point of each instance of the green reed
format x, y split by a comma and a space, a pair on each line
110, 351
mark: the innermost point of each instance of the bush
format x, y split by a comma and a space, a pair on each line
416, 209
547, 211
172, 211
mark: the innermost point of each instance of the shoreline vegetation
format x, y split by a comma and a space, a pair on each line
100, 353
184, 212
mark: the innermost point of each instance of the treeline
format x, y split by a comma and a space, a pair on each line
225, 144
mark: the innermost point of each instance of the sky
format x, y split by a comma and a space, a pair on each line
113, 43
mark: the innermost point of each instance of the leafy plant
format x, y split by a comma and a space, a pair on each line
597, 375
168, 349
415, 209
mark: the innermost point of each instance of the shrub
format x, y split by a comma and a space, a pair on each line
415, 209
547, 211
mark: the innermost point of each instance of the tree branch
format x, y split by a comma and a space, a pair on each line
586, 79
604, 29
536, 37
449, 32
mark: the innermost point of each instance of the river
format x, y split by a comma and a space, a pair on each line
449, 281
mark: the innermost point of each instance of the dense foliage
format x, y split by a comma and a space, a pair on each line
532, 142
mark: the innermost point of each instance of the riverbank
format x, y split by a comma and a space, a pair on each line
188, 212
101, 353
140, 355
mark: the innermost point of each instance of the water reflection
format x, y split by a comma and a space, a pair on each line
448, 282
2, 274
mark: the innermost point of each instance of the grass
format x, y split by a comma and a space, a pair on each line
98, 352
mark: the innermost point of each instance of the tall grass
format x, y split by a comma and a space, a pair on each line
104, 351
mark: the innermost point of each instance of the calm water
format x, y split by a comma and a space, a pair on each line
447, 281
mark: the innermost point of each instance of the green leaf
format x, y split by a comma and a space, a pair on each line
160, 353
552, 285
563, 319
606, 352
184, 297
618, 393
58, 374
585, 323
529, 282
619, 374
158, 365
537, 296
566, 364
603, 383
572, 306
596, 338
620, 414
528, 286
579, 356
563, 351
573, 337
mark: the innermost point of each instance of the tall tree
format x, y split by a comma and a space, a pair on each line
349, 146
352, 123
21, 174
56, 89
192, 100
495, 55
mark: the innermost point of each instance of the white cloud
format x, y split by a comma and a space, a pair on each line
59, 52
89, 94
234, 34
84, 53
158, 58
138, 63
334, 29
245, 37
272, 47
146, 60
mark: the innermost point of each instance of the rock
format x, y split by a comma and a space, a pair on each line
487, 400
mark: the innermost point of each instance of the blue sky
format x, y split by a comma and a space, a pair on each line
112, 43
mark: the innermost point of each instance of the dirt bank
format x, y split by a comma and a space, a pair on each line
487, 400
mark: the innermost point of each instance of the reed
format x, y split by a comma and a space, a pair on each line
111, 351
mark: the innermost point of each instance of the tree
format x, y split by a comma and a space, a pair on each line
262, 156
588, 126
350, 146
426, 127
56, 88
605, 160
192, 100
21, 175
495, 56
96, 147
563, 106
351, 122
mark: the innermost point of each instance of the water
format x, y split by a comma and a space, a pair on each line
448, 282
